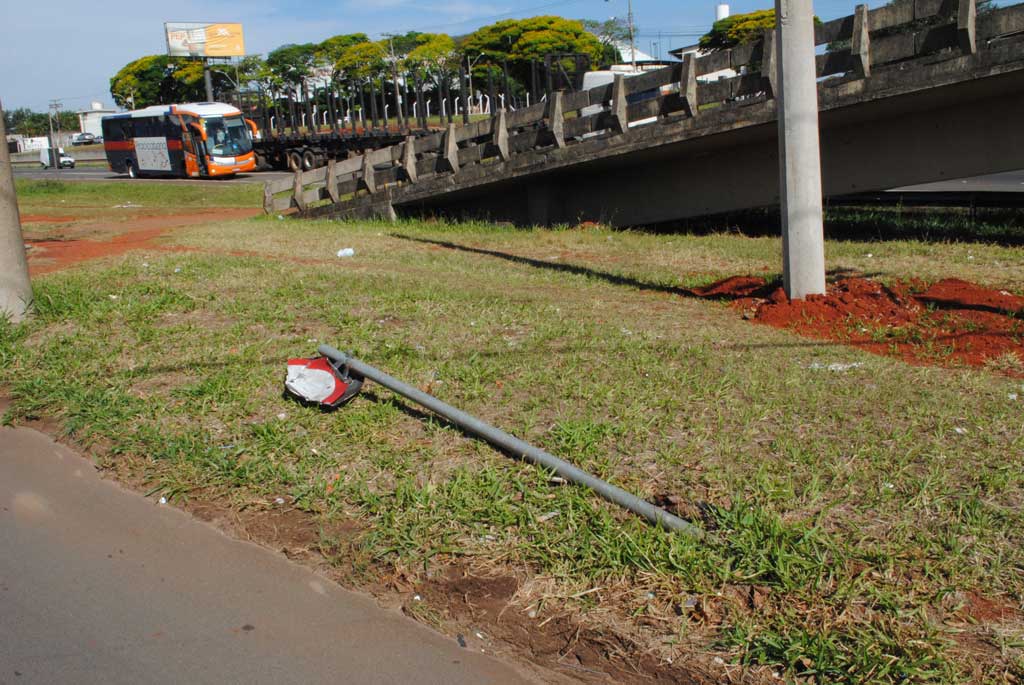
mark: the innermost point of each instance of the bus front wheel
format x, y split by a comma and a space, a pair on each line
132, 173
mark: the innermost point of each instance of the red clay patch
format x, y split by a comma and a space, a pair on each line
142, 233
45, 218
949, 323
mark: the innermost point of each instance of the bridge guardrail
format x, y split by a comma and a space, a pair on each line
936, 26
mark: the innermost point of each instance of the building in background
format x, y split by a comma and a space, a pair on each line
89, 119
721, 12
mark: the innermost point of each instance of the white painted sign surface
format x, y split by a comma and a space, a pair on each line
152, 154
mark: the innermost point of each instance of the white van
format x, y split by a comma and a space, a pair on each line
594, 79
66, 160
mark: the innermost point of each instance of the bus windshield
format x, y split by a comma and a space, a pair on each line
227, 137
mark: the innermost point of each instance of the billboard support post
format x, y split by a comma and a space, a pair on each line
208, 78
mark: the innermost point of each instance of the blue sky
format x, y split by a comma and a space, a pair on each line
69, 49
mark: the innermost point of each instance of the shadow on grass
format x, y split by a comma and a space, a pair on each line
762, 290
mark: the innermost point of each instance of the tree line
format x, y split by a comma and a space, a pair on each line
349, 61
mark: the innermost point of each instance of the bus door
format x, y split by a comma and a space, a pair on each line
195, 151
188, 146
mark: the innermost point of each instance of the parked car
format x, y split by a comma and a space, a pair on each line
66, 160
83, 139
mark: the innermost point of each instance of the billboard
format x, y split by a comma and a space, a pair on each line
199, 39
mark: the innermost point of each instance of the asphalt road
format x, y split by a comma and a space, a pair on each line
1009, 182
86, 173
101, 585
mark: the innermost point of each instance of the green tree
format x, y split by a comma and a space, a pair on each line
522, 40
330, 51
738, 29
292, 63
434, 52
611, 33
362, 61
159, 79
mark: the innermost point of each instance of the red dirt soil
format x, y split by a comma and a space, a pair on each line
141, 233
45, 218
948, 323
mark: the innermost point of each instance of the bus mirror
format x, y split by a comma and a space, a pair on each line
197, 131
253, 129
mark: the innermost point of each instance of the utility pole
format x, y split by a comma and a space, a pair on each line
54, 147
632, 35
15, 287
803, 241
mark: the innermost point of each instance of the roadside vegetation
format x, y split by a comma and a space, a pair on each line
864, 523
49, 196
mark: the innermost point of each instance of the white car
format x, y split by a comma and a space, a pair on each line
66, 160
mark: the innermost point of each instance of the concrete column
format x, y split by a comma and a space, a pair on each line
803, 243
208, 80
15, 289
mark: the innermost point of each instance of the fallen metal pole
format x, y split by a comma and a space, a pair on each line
515, 446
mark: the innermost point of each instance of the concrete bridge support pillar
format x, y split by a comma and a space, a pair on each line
803, 243
15, 288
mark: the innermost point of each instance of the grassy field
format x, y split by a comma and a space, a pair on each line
47, 197
866, 525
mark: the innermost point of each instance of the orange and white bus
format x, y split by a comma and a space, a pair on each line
205, 139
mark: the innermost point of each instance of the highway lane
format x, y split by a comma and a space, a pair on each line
86, 173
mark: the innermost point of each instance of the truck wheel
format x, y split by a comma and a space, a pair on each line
308, 160
294, 160
132, 173
261, 162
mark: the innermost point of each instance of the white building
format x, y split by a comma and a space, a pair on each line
89, 119
721, 12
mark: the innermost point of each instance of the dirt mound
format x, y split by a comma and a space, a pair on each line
734, 286
949, 323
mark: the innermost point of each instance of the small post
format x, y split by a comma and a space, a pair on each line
15, 286
373, 104
368, 179
966, 21
803, 242
332, 181
507, 99
860, 46
268, 199
491, 98
297, 197
688, 84
409, 159
533, 80
499, 134
770, 62
619, 103
451, 149
556, 118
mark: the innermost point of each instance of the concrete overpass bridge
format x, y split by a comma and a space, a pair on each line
913, 92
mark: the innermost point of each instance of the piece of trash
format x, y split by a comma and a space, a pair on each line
145, 265
557, 480
835, 366
127, 205
279, 500
282, 416
869, 255
719, 660
650, 595
163, 500
970, 256
480, 636
177, 269
280, 218
547, 517
461, 640
1012, 396
532, 613
113, 297
417, 598
346, 252
888, 486
691, 604
959, 431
